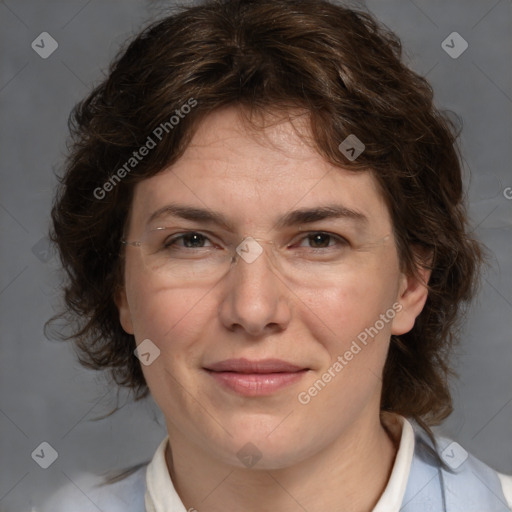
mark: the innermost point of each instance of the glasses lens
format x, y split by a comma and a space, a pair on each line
318, 260
184, 256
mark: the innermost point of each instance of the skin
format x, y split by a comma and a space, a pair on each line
333, 453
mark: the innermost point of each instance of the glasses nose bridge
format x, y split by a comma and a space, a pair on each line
251, 249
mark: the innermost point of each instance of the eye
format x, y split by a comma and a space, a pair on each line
189, 240
323, 240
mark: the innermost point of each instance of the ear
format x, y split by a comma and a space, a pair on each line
125, 317
412, 296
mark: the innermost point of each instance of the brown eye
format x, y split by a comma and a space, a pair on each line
190, 240
319, 240
322, 240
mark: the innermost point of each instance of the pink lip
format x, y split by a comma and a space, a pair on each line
255, 378
243, 365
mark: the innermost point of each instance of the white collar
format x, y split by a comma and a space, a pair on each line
161, 495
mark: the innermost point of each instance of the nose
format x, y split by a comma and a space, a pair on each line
255, 298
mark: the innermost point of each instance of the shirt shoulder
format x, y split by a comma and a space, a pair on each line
90, 493
506, 485
465, 479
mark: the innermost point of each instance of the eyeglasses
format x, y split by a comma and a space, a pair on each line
181, 257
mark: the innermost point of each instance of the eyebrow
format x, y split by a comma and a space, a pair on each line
290, 219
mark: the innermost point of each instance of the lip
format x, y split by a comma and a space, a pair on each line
255, 378
242, 365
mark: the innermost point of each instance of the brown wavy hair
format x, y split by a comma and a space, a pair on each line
346, 71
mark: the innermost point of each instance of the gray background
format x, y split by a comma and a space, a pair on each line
46, 396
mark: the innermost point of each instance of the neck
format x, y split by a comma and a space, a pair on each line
349, 475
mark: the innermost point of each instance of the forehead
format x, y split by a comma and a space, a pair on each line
255, 175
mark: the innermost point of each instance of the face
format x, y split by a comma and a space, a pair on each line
324, 295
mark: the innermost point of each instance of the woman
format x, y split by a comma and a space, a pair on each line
262, 224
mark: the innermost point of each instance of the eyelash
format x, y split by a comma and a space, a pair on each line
169, 243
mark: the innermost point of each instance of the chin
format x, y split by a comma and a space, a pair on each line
255, 449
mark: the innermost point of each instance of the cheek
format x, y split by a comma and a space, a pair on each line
337, 314
346, 321
157, 311
175, 321
168, 315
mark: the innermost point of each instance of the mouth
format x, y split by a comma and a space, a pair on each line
255, 378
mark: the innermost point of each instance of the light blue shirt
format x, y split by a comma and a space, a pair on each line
425, 478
